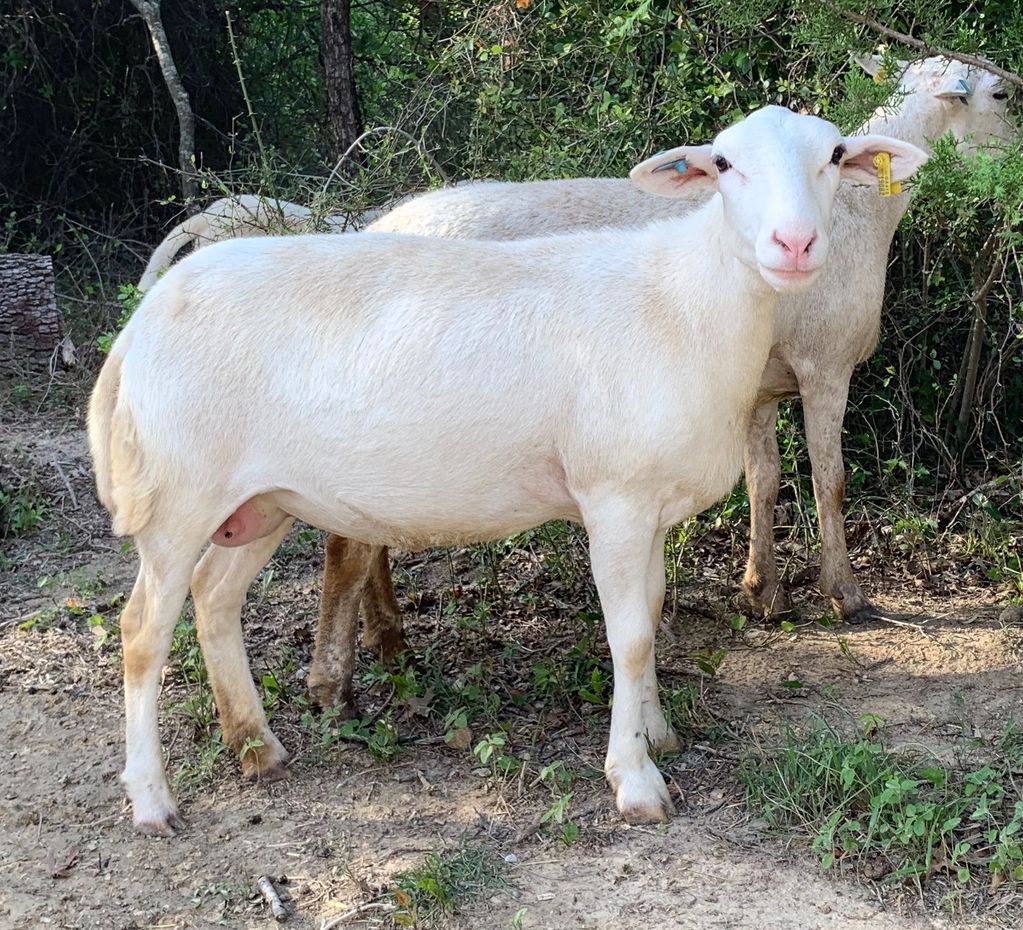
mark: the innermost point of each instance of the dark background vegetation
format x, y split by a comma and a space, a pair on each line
520, 89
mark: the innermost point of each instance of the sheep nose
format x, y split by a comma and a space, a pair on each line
795, 244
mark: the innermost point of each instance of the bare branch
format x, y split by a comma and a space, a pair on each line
974, 60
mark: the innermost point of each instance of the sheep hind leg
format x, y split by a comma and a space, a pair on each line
763, 594
147, 626
346, 571
220, 583
383, 632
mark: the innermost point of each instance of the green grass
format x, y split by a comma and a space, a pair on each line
21, 510
856, 800
447, 880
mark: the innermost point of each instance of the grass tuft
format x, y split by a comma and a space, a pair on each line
909, 817
424, 896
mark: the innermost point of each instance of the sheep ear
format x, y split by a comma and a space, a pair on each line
677, 172
872, 64
954, 87
858, 166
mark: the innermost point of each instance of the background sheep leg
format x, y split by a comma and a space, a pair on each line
762, 593
823, 412
219, 585
346, 573
383, 631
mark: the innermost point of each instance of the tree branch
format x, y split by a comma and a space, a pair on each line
974, 60
150, 13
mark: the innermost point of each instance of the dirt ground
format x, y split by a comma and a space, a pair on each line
943, 666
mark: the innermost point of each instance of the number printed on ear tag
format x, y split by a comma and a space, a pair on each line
885, 185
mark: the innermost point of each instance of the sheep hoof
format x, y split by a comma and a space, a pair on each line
766, 603
864, 613
326, 696
387, 642
669, 742
265, 763
641, 796
166, 825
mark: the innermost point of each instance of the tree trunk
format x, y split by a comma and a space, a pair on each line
150, 12
344, 120
30, 326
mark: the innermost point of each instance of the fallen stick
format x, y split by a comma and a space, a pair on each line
269, 893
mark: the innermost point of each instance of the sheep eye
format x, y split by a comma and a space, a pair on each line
838, 154
1000, 95
721, 164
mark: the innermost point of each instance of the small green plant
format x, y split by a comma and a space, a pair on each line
21, 510
129, 297
856, 798
579, 677
21, 393
424, 896
682, 709
559, 780
380, 737
490, 744
709, 661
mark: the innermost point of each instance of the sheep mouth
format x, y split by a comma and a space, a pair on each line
788, 278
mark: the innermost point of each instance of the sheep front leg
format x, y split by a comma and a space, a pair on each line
621, 541
823, 411
220, 583
658, 731
147, 625
762, 593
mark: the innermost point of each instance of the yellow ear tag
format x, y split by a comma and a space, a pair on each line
881, 76
885, 185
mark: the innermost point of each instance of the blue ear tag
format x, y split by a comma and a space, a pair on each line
681, 166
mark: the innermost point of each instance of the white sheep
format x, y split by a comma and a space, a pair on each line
820, 336
229, 218
409, 391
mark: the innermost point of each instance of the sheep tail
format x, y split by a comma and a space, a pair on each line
121, 481
189, 231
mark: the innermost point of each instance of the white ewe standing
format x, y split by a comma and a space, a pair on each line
820, 336
414, 392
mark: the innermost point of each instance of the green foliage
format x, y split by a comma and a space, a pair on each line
129, 297
424, 896
21, 509
379, 736
579, 677
857, 799
559, 780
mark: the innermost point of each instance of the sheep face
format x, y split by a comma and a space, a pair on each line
950, 96
976, 105
777, 173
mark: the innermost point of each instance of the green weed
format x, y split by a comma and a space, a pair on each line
21, 510
424, 896
129, 297
854, 798
559, 780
